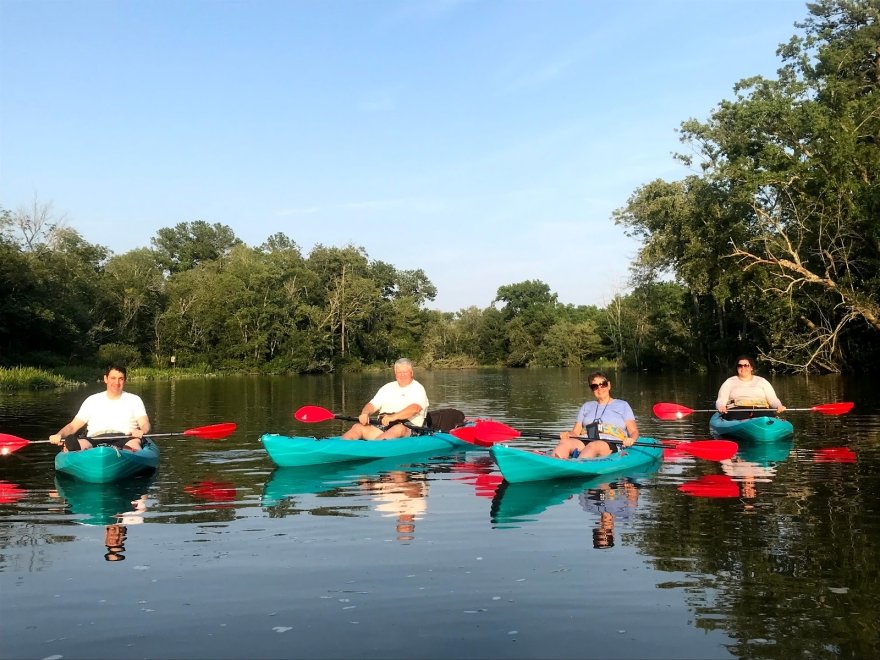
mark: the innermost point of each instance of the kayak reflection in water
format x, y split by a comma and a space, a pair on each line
402, 495
613, 502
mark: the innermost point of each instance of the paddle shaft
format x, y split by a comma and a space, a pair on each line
585, 439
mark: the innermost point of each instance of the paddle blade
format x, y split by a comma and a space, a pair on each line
11, 443
213, 432
313, 414
711, 485
465, 433
490, 432
840, 408
710, 450
668, 411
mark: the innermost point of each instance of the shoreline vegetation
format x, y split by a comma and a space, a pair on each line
20, 378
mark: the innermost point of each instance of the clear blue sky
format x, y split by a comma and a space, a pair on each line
485, 141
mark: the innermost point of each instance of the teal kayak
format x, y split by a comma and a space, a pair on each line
758, 429
296, 451
520, 465
103, 464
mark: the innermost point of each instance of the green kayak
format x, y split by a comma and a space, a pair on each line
296, 451
758, 429
103, 464
520, 465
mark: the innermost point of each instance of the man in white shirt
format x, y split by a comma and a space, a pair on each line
110, 413
403, 400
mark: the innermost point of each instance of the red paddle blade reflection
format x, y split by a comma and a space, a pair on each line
711, 485
214, 491
835, 455
10, 492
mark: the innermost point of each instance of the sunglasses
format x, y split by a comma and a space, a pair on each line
596, 386
743, 365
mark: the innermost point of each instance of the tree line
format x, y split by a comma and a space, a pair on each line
771, 246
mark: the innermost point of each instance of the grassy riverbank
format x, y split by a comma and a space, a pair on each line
31, 378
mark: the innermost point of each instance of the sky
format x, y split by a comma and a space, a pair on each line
486, 142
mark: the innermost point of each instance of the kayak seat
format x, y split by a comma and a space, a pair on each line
444, 419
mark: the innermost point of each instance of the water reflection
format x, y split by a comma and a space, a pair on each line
613, 502
691, 576
101, 504
611, 498
399, 494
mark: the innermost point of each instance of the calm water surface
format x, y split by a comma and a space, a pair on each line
220, 555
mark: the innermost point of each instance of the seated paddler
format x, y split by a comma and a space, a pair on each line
107, 415
747, 395
607, 423
400, 405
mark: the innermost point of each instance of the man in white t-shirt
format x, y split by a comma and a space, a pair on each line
404, 400
110, 413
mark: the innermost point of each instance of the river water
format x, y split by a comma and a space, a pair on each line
773, 554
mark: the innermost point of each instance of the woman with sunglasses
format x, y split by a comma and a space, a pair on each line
613, 419
741, 394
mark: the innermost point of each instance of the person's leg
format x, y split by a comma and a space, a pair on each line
73, 443
362, 432
394, 431
596, 449
566, 447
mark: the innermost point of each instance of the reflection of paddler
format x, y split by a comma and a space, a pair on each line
603, 533
400, 495
114, 539
611, 501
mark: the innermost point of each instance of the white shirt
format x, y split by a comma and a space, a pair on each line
392, 398
106, 415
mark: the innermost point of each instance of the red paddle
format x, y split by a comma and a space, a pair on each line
11, 443
711, 450
668, 411
314, 414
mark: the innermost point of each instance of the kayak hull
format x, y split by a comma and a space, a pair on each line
756, 429
103, 464
520, 465
298, 451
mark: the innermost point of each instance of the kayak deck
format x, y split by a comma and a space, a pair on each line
759, 429
521, 465
103, 464
297, 451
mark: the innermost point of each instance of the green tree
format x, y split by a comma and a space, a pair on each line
786, 202
190, 243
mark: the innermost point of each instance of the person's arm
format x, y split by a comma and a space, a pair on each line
143, 428
632, 433
723, 397
772, 399
70, 428
366, 411
401, 415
